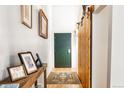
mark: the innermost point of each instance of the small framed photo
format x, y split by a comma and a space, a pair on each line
28, 60
26, 15
17, 72
43, 24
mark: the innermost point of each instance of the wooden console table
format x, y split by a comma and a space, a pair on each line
30, 79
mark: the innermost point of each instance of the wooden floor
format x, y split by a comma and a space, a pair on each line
63, 85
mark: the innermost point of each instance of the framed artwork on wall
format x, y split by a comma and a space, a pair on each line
26, 15
17, 72
28, 60
43, 24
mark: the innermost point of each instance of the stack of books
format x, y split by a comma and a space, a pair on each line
9, 86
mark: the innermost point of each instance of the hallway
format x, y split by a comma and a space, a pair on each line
75, 46
67, 85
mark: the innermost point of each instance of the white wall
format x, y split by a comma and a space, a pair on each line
74, 55
51, 43
117, 59
4, 45
16, 37
100, 48
65, 18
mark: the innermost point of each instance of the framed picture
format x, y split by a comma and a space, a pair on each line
28, 60
26, 15
38, 61
17, 72
43, 24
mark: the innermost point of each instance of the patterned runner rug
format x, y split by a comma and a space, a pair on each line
63, 78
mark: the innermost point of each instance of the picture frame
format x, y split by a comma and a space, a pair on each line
43, 24
17, 72
28, 60
26, 15
38, 61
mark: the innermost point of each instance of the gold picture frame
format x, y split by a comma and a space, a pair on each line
26, 15
43, 24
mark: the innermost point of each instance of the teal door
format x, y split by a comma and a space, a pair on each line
62, 50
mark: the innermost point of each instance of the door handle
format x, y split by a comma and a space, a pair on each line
69, 51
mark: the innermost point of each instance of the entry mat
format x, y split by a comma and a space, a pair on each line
63, 78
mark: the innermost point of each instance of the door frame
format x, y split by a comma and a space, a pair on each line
70, 51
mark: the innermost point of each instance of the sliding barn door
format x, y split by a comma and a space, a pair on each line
84, 51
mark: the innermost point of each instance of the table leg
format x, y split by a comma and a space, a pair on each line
45, 82
36, 84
